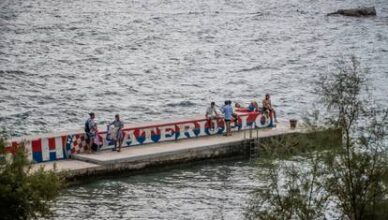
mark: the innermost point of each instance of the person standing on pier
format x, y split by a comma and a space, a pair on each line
91, 132
228, 112
118, 133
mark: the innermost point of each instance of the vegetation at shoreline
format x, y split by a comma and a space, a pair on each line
25, 194
346, 182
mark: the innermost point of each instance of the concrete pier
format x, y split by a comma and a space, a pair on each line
172, 152
64, 145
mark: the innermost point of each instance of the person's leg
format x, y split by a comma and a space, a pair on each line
120, 144
209, 123
91, 142
87, 143
116, 140
235, 119
115, 143
268, 113
228, 128
274, 114
115, 147
120, 140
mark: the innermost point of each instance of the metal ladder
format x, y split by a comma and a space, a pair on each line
254, 149
252, 141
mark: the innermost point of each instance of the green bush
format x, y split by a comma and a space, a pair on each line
345, 182
25, 194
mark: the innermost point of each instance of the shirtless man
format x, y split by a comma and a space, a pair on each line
267, 107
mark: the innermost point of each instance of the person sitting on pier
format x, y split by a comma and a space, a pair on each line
117, 134
211, 113
91, 133
239, 108
267, 107
253, 107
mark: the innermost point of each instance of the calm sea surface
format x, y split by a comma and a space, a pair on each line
161, 59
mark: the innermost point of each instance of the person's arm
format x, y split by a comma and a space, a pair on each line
94, 126
266, 104
216, 112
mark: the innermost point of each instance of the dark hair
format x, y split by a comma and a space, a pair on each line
117, 115
226, 102
212, 103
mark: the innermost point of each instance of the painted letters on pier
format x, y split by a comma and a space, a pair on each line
55, 147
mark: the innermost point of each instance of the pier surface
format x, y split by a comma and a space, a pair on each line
138, 157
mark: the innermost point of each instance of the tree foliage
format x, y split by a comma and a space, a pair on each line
357, 173
24, 193
293, 192
349, 182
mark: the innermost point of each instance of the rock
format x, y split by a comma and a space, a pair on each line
356, 12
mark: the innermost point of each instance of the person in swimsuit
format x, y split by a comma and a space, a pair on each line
267, 107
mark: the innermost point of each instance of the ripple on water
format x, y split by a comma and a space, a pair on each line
200, 191
150, 60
